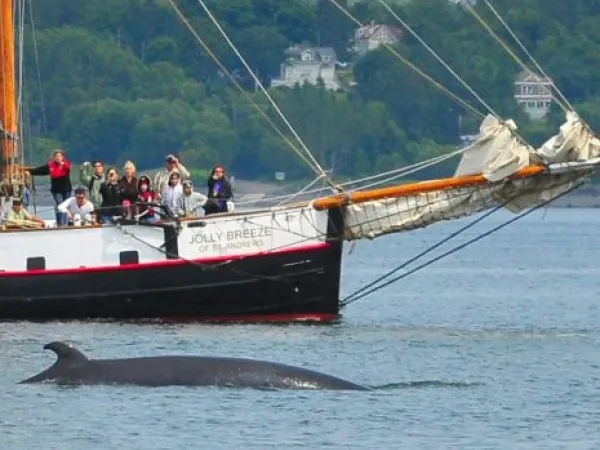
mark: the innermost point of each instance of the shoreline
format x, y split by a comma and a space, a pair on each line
259, 193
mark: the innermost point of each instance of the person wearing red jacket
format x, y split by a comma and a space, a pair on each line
146, 213
59, 170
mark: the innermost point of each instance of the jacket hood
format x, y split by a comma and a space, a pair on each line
146, 178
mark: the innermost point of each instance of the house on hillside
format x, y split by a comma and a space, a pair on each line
534, 93
374, 35
309, 65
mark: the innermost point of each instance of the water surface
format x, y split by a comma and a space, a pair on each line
493, 347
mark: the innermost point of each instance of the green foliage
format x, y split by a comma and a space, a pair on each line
124, 79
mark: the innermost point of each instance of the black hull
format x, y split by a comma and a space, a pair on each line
280, 287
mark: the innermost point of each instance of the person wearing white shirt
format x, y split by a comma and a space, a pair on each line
172, 195
78, 209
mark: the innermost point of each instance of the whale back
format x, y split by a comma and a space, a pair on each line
74, 368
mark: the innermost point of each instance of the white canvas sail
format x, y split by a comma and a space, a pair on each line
498, 169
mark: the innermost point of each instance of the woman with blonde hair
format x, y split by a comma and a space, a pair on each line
129, 189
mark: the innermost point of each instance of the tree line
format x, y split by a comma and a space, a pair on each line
124, 79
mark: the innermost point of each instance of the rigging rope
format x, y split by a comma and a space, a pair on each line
210, 53
438, 85
365, 291
506, 47
391, 175
439, 58
37, 66
262, 88
531, 58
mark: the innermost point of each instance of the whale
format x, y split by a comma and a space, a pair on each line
73, 367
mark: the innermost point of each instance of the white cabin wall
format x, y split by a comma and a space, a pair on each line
261, 232
76, 247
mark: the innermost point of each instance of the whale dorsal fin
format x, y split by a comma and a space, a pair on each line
66, 353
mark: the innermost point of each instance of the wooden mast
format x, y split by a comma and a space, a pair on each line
8, 109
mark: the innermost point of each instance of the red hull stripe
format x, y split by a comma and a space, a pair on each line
260, 318
166, 262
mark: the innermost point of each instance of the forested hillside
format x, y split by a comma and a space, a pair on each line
124, 79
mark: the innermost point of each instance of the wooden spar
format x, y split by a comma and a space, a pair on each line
8, 108
403, 190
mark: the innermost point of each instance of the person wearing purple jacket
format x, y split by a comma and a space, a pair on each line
219, 191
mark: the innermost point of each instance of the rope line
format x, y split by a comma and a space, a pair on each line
531, 58
518, 60
438, 57
438, 85
217, 61
353, 298
262, 88
348, 299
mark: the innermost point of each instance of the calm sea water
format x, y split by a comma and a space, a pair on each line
496, 346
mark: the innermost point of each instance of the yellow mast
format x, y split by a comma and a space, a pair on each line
8, 109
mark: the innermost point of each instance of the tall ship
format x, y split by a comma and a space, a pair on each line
265, 264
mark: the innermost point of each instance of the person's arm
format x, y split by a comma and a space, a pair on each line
64, 206
156, 185
85, 177
40, 170
201, 200
183, 172
27, 214
226, 192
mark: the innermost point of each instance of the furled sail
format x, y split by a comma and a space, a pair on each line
497, 169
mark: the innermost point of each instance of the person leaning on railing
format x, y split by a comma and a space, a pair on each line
18, 217
59, 170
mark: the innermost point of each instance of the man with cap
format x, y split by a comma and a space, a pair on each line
161, 179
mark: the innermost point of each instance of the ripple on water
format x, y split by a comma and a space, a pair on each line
494, 347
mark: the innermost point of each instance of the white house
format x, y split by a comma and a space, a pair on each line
374, 35
309, 65
534, 93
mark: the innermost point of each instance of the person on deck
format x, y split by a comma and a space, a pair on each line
93, 181
18, 217
111, 197
78, 209
161, 179
219, 192
59, 169
172, 193
146, 213
192, 202
129, 190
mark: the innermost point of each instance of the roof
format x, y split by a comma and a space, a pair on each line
317, 54
529, 76
368, 31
